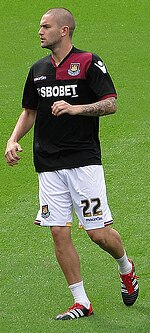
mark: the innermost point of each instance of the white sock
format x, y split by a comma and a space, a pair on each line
124, 264
79, 294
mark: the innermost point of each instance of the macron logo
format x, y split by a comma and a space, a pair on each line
101, 66
40, 78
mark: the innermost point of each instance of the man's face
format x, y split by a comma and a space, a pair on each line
50, 32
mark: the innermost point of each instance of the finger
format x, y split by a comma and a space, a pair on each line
59, 112
59, 109
19, 149
10, 160
12, 163
14, 154
56, 109
59, 105
9, 157
12, 157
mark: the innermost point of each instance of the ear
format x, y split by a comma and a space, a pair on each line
65, 31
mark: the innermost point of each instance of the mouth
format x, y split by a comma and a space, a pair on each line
42, 40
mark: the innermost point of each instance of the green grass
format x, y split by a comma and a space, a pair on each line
33, 287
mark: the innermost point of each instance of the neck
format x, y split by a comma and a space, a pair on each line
59, 54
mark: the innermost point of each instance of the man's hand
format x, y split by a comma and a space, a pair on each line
11, 152
61, 107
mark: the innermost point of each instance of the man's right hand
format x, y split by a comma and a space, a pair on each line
11, 152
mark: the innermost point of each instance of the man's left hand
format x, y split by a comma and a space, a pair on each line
61, 107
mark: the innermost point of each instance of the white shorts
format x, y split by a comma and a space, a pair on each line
81, 189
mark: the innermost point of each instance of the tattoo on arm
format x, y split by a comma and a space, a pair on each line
101, 108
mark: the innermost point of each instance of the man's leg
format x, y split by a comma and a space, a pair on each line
110, 241
69, 262
66, 254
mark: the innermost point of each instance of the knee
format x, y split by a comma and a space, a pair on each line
61, 236
57, 236
56, 233
62, 241
99, 237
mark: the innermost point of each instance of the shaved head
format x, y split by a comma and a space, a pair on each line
63, 18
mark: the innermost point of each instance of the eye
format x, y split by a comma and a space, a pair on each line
45, 26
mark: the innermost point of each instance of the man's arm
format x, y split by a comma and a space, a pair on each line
23, 125
101, 108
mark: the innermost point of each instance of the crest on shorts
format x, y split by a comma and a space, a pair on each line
45, 212
74, 69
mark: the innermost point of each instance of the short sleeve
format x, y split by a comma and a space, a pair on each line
99, 79
30, 95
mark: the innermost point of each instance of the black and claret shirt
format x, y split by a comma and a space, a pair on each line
66, 141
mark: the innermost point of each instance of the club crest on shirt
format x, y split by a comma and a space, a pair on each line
74, 69
45, 212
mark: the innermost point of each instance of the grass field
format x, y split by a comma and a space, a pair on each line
33, 287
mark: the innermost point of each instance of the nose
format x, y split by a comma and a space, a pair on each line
41, 31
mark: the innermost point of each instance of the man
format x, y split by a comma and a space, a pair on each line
64, 95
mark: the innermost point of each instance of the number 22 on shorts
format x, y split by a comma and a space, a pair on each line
91, 207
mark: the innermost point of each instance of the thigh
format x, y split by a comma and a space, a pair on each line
88, 191
55, 200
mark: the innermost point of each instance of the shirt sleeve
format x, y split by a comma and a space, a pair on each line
30, 96
99, 79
